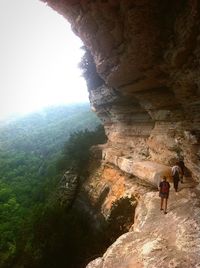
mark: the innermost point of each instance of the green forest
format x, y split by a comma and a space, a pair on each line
35, 151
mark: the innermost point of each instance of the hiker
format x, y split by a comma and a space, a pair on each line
176, 175
182, 167
164, 187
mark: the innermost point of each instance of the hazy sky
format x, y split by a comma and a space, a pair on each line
39, 55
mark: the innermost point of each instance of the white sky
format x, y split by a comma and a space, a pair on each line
39, 55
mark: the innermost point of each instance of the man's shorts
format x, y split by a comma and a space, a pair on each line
164, 195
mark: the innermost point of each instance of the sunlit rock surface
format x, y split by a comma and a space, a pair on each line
159, 240
154, 239
148, 55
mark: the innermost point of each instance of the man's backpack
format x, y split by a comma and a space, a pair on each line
164, 187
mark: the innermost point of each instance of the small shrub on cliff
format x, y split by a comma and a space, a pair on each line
76, 150
89, 71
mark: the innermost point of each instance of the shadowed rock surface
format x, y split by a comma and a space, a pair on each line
147, 55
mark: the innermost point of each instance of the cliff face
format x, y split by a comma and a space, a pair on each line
147, 54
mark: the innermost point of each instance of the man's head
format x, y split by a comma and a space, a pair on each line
164, 178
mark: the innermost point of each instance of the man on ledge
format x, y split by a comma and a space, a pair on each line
177, 175
164, 187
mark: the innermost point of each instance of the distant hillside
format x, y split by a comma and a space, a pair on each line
30, 148
44, 132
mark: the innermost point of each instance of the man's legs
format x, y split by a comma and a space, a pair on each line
165, 209
176, 185
161, 203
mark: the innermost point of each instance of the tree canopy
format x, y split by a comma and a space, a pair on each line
31, 150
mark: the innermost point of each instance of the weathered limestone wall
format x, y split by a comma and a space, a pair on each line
147, 53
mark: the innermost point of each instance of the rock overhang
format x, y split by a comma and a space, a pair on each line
149, 65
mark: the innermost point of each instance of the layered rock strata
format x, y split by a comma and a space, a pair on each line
147, 54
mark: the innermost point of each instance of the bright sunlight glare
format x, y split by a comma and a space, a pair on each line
39, 59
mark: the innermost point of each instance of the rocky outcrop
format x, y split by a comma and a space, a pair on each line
147, 53
154, 239
159, 240
67, 190
147, 56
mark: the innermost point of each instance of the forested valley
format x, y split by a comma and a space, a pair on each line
35, 151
